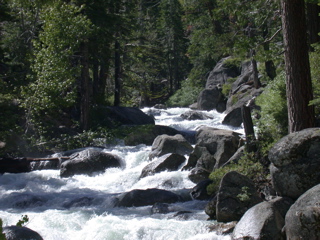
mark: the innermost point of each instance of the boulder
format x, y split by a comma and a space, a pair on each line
200, 157
235, 102
210, 98
115, 116
302, 221
199, 192
89, 161
168, 162
197, 174
16, 233
236, 156
235, 196
138, 197
164, 144
263, 221
147, 134
295, 162
222, 144
195, 115
221, 73
14, 165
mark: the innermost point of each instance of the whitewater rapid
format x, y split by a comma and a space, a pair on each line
49, 201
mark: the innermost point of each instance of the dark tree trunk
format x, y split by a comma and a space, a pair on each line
85, 91
248, 128
117, 77
299, 86
313, 23
256, 81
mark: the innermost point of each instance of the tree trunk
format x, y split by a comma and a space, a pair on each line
313, 23
117, 78
248, 128
85, 91
299, 86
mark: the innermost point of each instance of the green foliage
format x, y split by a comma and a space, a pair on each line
2, 235
56, 63
273, 121
226, 88
315, 74
247, 165
185, 96
244, 195
23, 221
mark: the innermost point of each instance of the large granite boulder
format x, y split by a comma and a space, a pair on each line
210, 98
303, 218
19, 233
89, 161
138, 197
222, 144
147, 134
164, 144
295, 162
222, 72
168, 162
263, 221
115, 116
235, 196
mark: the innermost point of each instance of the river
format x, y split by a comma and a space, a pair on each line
47, 199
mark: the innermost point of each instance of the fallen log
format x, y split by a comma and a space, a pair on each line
47, 159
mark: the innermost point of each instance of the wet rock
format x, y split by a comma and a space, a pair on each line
302, 221
199, 192
235, 196
201, 158
197, 175
168, 162
263, 221
195, 115
88, 162
20, 233
148, 134
295, 162
164, 144
138, 197
115, 116
160, 208
222, 144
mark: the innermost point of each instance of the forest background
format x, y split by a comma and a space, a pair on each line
61, 60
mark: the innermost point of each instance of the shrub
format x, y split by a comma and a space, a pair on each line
273, 121
315, 74
248, 165
187, 95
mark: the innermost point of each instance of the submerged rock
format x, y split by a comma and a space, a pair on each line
20, 233
168, 162
138, 197
88, 162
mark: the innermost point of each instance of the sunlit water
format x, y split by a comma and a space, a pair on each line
47, 199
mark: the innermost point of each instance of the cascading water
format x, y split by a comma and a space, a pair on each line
81, 207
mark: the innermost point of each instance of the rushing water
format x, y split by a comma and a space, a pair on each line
48, 200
